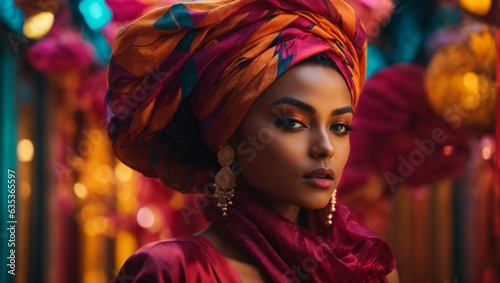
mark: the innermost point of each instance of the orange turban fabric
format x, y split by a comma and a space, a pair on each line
220, 54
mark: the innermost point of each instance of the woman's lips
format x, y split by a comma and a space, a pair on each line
320, 177
319, 182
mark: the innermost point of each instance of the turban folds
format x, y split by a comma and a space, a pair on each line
221, 54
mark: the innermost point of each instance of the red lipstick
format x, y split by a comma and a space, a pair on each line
320, 178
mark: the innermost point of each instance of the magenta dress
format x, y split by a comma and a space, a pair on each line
187, 259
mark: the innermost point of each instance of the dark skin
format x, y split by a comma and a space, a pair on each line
306, 116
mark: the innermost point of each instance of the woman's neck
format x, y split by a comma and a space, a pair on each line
287, 210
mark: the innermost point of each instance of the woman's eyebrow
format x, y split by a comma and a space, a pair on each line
294, 102
342, 110
309, 108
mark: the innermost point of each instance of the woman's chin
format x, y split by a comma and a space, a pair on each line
316, 204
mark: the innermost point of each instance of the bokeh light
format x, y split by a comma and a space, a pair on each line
478, 7
447, 150
145, 217
25, 150
460, 80
96, 13
123, 173
24, 189
80, 190
104, 173
38, 26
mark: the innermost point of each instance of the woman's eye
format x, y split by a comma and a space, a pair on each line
288, 123
341, 129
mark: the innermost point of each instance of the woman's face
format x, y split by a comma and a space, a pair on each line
293, 143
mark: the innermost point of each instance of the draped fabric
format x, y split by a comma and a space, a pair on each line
221, 55
287, 252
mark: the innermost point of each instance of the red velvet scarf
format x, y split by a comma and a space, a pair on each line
342, 252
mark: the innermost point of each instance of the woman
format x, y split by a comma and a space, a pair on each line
249, 102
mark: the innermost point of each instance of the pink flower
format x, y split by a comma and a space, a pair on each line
61, 51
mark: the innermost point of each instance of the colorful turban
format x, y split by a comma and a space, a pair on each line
221, 54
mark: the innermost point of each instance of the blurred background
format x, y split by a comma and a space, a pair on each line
422, 171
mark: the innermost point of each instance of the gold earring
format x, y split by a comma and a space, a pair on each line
225, 181
332, 208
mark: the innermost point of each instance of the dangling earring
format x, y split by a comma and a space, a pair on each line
332, 208
225, 181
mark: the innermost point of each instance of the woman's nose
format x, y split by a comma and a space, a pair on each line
322, 145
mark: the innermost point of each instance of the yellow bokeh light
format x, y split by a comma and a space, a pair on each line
125, 245
463, 75
123, 173
478, 7
80, 190
470, 102
96, 226
483, 46
24, 189
125, 196
25, 150
177, 201
37, 26
91, 210
94, 276
100, 224
471, 82
88, 227
104, 174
